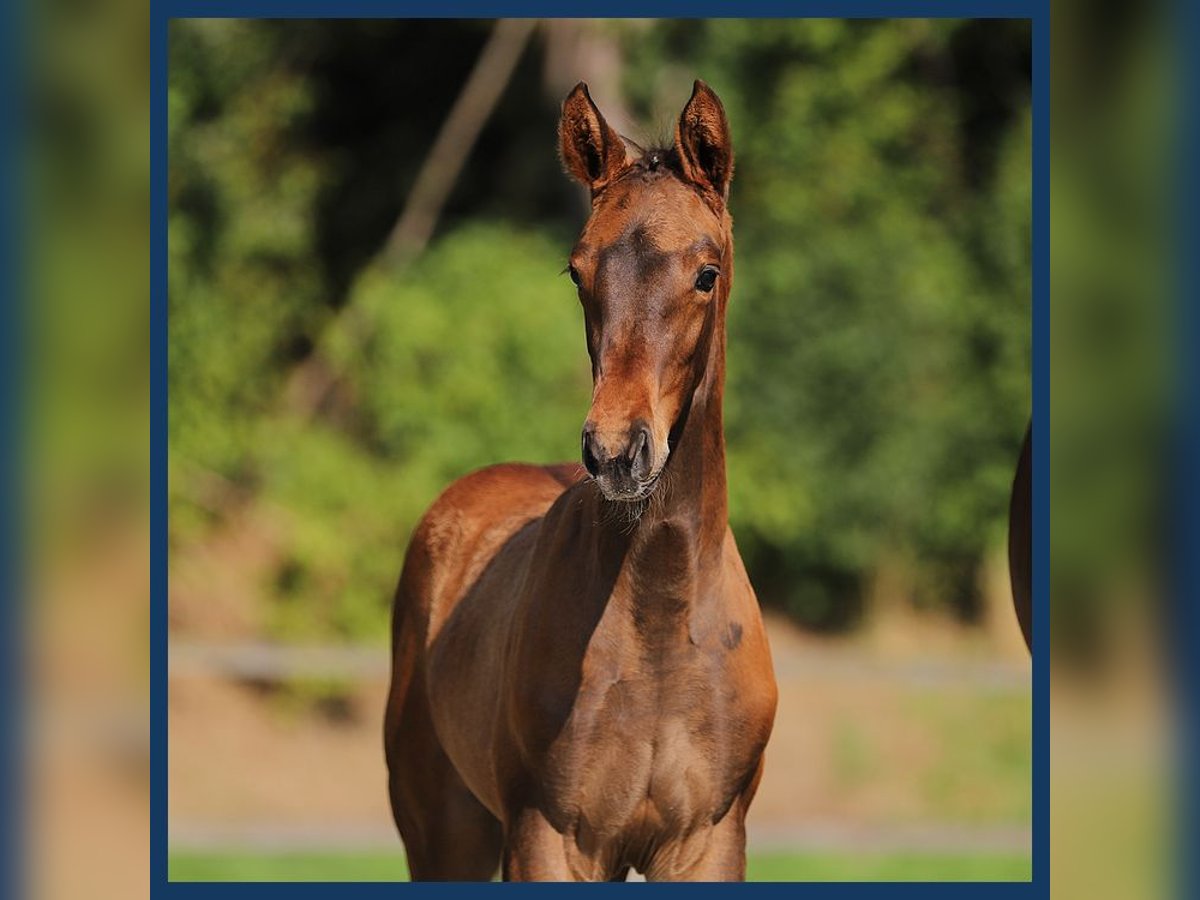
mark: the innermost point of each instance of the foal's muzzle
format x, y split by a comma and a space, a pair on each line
622, 465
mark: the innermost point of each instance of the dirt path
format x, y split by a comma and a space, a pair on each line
872, 747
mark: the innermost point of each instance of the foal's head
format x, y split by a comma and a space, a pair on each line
653, 268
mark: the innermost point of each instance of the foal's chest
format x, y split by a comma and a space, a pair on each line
644, 756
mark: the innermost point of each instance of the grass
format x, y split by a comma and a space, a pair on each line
983, 768
888, 867
765, 867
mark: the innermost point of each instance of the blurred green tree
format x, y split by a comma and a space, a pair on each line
879, 330
880, 326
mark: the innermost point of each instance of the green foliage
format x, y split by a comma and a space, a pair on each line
879, 327
439, 389
880, 324
474, 351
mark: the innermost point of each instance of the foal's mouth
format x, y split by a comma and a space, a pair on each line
629, 492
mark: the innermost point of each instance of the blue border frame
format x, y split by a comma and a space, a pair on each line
159, 635
1036, 10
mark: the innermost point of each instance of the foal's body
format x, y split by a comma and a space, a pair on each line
611, 725
582, 685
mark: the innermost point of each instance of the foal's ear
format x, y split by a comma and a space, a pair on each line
702, 139
591, 150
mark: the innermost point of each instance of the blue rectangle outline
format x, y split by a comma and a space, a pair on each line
1037, 12
14, 458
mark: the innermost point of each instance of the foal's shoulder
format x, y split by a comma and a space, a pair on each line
519, 489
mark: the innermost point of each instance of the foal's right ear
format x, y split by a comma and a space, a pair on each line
702, 139
591, 150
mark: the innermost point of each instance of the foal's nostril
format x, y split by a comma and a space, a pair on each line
636, 443
641, 453
590, 462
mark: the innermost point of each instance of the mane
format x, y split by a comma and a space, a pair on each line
654, 160
662, 160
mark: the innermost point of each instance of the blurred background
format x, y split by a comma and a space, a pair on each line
882, 190
368, 227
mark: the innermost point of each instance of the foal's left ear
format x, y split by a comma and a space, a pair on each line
702, 139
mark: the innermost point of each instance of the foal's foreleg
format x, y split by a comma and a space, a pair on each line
716, 854
535, 851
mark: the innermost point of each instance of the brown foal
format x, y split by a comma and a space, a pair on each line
581, 681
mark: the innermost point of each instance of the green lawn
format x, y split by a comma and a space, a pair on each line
767, 867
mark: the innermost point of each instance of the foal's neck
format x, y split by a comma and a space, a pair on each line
691, 508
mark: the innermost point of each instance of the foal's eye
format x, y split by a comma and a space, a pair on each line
706, 279
574, 273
